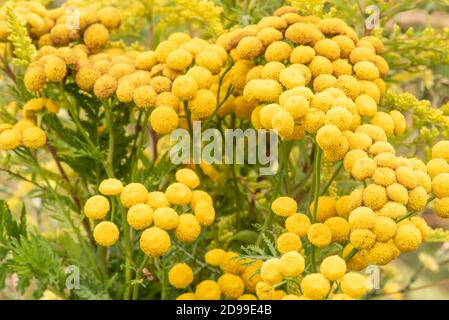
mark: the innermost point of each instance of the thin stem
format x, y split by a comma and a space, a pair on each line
111, 146
334, 176
138, 276
128, 259
139, 145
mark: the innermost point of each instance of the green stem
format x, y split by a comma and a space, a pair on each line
110, 156
139, 144
317, 180
334, 176
128, 259
138, 276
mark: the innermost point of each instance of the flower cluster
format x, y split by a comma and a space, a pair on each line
156, 208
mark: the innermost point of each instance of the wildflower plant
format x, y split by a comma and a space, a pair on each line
96, 95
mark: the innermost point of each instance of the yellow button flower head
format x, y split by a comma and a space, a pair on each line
271, 272
145, 60
96, 207
326, 208
164, 120
187, 177
284, 123
366, 105
180, 275
202, 76
267, 114
440, 185
210, 60
297, 106
417, 199
384, 228
188, 228
199, 196
249, 47
393, 210
327, 48
264, 291
251, 275
269, 35
265, 90
302, 55
375, 196
353, 284
140, 216
384, 176
145, 97
134, 193
422, 226
342, 207
407, 238
157, 199
202, 104
165, 218
441, 150
437, 166
179, 59
362, 218
362, 238
34, 79
442, 207
155, 242
291, 77
34, 137
106, 233
109, 17
284, 206
288, 242
96, 36
320, 65
398, 193
105, 86
204, 213
292, 264
178, 193
184, 87
86, 77
366, 70
231, 263
333, 268
339, 227
207, 290
55, 69
381, 253
298, 224
339, 117
303, 33
328, 136
231, 286
406, 177
319, 235
315, 286
110, 187
214, 257
278, 51
363, 168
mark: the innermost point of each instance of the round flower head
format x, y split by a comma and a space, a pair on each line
278, 51
231, 286
155, 242
298, 224
288, 242
359, 141
366, 70
297, 106
209, 60
441, 150
146, 60
393, 210
179, 59
269, 35
384, 176
86, 77
339, 227
442, 207
358, 261
140, 216
384, 228
157, 199
144, 96
302, 55
165, 218
110, 187
251, 275
342, 67
105, 86
366, 105
345, 44
349, 85
291, 77
326, 208
161, 84
200, 196
327, 48
333, 268
417, 199
314, 120
203, 104
96, 36
271, 271
292, 264
207, 290
424, 180
164, 120
34, 137
188, 228
284, 123
180, 275
323, 82
375, 196
340, 117
55, 69
109, 17
406, 177
315, 286
362, 238
362, 218
322, 101
249, 47
319, 235
363, 168
353, 284
204, 213
106, 233
132, 194
342, 207
202, 76
34, 79
214, 257
178, 194
437, 166
265, 90
303, 33
284, 206
96, 207
440, 185
320, 65
407, 238
184, 87
231, 263
267, 114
